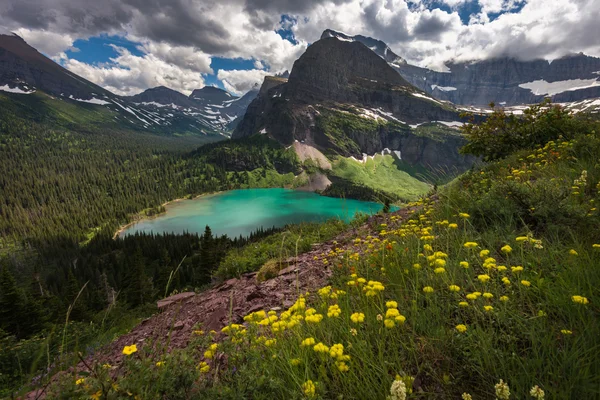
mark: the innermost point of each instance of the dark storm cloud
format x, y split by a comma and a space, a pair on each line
177, 22
431, 27
287, 6
84, 17
181, 22
392, 32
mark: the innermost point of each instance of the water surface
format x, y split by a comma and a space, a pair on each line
240, 212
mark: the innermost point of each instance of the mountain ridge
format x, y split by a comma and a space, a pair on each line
503, 80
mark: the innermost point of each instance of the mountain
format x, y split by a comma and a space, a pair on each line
505, 81
341, 98
211, 95
162, 96
210, 106
379, 47
35, 87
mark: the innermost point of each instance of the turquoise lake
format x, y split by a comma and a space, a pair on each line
240, 212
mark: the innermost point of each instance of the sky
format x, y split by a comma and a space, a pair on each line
128, 46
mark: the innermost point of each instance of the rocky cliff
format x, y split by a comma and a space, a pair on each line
343, 99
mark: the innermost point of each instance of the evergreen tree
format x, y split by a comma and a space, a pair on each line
12, 304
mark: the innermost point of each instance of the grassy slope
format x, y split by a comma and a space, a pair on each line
521, 325
381, 173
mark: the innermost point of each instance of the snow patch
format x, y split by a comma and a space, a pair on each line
93, 100
452, 124
443, 88
425, 97
541, 87
8, 89
263, 131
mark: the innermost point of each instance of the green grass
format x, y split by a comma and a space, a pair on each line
293, 240
440, 318
381, 173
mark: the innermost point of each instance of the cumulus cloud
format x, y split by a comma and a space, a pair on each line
179, 37
128, 74
240, 81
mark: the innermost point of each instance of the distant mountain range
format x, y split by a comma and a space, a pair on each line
505, 81
24, 71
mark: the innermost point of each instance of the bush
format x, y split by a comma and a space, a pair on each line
502, 134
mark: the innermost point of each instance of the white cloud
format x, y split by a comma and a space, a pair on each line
129, 74
240, 81
179, 38
49, 43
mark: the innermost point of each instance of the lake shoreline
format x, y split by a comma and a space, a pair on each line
139, 218
356, 206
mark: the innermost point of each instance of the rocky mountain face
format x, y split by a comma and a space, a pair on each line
342, 98
505, 81
24, 69
379, 47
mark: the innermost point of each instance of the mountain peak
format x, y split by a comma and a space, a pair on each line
377, 46
329, 67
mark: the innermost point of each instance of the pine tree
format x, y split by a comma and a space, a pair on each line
12, 304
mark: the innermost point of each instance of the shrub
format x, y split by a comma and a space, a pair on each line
502, 134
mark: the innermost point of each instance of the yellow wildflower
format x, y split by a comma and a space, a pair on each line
417, 266
483, 278
488, 295
525, 283
579, 299
452, 226
461, 328
309, 389
506, 249
566, 332
428, 289
334, 311
488, 308
573, 252
391, 304
516, 269
439, 270
128, 350
400, 319
160, 363
484, 253
203, 367
470, 245
357, 317
308, 342
389, 323
464, 264
320, 348
463, 215
504, 298
80, 381
454, 288
464, 303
